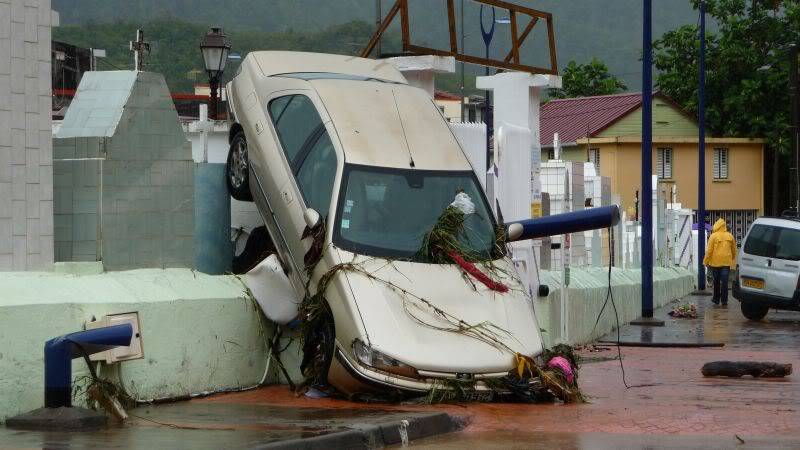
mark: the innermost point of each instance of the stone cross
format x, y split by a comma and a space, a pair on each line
139, 48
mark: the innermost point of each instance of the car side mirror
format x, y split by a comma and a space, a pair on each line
514, 232
311, 217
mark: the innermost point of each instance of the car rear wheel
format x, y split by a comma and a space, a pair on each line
237, 169
754, 311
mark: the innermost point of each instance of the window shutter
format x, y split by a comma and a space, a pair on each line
717, 155
723, 163
668, 163
660, 162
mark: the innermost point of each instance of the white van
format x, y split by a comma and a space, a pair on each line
768, 273
346, 142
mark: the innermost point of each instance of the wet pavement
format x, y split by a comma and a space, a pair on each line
669, 403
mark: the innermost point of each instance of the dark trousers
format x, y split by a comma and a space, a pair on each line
720, 284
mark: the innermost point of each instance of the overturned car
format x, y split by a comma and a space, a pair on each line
351, 169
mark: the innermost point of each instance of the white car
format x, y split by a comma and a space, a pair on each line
768, 273
346, 142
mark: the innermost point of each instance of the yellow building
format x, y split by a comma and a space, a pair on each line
606, 130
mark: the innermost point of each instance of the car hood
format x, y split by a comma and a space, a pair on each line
398, 303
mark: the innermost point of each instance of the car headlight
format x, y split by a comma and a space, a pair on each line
377, 360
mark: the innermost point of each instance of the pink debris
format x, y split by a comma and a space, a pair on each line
564, 365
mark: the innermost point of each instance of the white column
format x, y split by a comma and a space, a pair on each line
420, 71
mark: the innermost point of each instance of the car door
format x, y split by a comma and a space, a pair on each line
311, 161
785, 266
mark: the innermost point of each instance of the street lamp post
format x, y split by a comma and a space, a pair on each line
215, 49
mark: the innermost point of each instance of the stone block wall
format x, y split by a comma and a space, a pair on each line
26, 153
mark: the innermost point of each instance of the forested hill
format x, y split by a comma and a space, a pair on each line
608, 29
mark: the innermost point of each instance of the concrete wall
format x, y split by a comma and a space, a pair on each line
26, 168
587, 293
200, 333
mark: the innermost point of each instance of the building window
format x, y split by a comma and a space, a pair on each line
594, 158
664, 163
551, 153
721, 163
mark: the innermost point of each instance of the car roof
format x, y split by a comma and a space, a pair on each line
388, 125
274, 63
778, 222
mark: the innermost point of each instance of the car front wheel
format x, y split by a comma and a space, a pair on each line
754, 311
237, 169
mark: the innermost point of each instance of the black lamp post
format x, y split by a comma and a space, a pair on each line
215, 48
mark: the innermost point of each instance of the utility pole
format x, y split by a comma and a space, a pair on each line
647, 170
378, 20
794, 126
139, 48
463, 66
701, 152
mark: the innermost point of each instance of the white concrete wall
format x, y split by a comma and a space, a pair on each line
26, 152
587, 293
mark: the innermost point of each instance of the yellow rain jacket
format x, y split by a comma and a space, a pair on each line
721, 247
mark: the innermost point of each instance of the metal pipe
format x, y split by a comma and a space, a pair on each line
59, 353
571, 222
647, 162
701, 152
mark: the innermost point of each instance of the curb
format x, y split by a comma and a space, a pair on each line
370, 436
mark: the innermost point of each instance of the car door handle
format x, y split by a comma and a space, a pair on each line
747, 259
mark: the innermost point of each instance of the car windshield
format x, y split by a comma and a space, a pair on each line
387, 212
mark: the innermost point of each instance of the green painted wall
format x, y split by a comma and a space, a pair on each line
200, 333
667, 121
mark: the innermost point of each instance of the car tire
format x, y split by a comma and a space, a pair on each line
237, 169
754, 311
318, 348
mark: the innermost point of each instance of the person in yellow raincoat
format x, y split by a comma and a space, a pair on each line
720, 258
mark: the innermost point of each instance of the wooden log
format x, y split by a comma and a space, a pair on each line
741, 368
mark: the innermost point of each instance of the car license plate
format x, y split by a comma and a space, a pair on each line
752, 283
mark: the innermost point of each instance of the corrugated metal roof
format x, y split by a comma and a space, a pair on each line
575, 118
98, 104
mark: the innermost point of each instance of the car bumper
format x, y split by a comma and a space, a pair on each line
773, 301
374, 380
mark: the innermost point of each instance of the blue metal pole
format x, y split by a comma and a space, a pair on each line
59, 353
647, 162
571, 222
487, 35
701, 151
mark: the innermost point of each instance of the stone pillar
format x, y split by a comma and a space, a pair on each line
26, 148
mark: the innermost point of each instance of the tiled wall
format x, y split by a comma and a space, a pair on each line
26, 153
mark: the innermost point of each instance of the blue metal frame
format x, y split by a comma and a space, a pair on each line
59, 353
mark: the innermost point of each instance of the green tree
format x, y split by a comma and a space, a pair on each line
586, 80
746, 75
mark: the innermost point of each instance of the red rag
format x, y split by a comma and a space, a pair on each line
477, 274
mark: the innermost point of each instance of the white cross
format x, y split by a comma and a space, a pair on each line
139, 48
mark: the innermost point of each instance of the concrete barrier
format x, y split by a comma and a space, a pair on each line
587, 293
200, 333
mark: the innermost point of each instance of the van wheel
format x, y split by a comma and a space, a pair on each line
754, 311
318, 347
237, 169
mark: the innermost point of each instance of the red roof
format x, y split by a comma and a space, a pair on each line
575, 118
442, 95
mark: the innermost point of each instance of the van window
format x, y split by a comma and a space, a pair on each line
296, 120
773, 242
316, 175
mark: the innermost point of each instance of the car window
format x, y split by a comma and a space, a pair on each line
761, 241
296, 120
316, 175
788, 246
